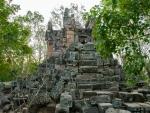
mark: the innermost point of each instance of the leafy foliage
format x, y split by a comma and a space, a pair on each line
14, 49
120, 27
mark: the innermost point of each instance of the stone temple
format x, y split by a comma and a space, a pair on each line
74, 79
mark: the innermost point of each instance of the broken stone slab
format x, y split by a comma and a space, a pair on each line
104, 106
112, 110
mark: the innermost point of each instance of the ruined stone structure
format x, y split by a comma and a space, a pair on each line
74, 79
59, 40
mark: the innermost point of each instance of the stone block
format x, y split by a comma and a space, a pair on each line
60, 109
117, 70
117, 103
88, 47
134, 107
85, 86
148, 97
93, 109
86, 77
65, 100
88, 62
131, 97
88, 69
112, 110
79, 103
25, 110
100, 99
70, 56
106, 62
51, 107
88, 94
146, 107
87, 56
98, 86
104, 106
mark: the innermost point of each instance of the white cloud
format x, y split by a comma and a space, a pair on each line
46, 6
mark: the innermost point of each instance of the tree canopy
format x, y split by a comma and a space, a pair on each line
121, 27
14, 48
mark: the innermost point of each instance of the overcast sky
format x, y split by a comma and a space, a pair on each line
46, 6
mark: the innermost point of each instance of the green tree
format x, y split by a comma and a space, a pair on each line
121, 27
14, 49
35, 21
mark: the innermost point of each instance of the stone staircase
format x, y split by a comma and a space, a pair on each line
94, 73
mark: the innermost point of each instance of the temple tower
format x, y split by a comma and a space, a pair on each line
69, 28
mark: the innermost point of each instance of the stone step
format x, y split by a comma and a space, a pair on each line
138, 107
104, 106
91, 110
86, 81
113, 110
86, 76
88, 69
100, 99
88, 62
85, 86
98, 85
89, 94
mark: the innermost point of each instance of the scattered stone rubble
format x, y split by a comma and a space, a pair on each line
74, 80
